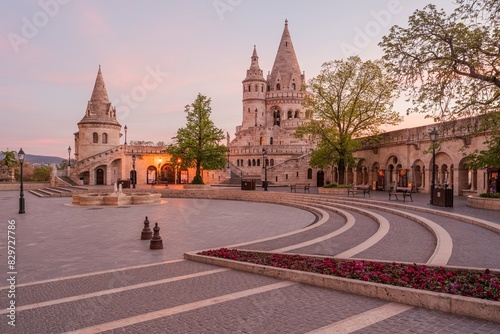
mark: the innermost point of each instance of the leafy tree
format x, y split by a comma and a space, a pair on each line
488, 10
449, 64
198, 144
9, 158
487, 158
141, 143
350, 99
41, 174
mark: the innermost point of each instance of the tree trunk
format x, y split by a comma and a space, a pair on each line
341, 171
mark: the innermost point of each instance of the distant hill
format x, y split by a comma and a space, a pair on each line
40, 159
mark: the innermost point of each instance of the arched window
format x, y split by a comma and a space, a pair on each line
271, 141
262, 88
296, 114
256, 88
268, 88
95, 137
272, 162
253, 162
278, 87
309, 173
293, 86
289, 114
262, 140
258, 162
249, 162
276, 117
104, 138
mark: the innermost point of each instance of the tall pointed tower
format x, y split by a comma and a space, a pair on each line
284, 83
254, 95
98, 130
285, 75
272, 111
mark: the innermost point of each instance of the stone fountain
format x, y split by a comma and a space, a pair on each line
117, 198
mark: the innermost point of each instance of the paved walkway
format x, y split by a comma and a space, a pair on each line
86, 269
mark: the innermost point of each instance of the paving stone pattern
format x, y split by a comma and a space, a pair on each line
99, 272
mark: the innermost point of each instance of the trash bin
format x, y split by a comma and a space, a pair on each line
448, 198
247, 185
124, 183
438, 198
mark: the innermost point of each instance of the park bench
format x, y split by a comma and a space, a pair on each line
364, 188
294, 186
405, 191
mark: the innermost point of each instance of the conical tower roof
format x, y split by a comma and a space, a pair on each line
254, 72
99, 95
286, 67
99, 109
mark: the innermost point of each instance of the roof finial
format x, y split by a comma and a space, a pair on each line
286, 22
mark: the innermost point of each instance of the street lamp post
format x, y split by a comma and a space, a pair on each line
69, 156
134, 174
179, 161
264, 156
434, 137
20, 155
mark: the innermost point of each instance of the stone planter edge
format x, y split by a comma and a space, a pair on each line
483, 202
464, 306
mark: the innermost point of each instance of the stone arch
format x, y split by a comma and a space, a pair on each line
378, 175
151, 175
297, 114
467, 177
394, 174
443, 169
167, 174
418, 177
289, 114
276, 112
361, 172
100, 175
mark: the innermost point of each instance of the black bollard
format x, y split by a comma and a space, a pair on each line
156, 242
146, 234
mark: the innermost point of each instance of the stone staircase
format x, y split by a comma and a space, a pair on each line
57, 191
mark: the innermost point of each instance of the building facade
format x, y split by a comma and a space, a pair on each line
272, 109
271, 112
103, 156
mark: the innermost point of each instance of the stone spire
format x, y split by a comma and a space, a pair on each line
99, 97
254, 72
99, 109
285, 75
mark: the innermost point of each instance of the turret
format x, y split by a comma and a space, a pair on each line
254, 95
98, 129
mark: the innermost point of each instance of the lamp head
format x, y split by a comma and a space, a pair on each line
20, 155
434, 134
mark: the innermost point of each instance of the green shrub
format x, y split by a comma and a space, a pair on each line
336, 185
490, 195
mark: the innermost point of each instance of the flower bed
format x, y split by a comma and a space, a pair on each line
468, 283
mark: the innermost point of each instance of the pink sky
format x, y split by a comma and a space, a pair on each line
198, 46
